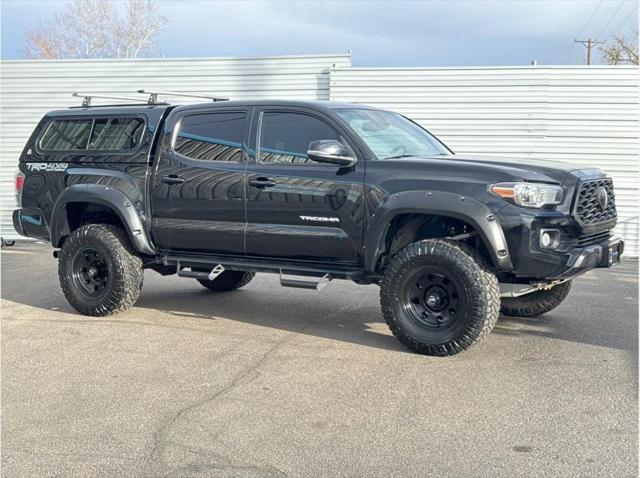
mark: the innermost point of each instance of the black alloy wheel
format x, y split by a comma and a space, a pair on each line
90, 272
432, 299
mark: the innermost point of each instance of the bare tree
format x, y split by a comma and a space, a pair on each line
621, 50
97, 29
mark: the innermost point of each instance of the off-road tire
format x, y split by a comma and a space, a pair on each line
476, 295
124, 276
536, 303
228, 281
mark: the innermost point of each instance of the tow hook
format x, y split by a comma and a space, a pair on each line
56, 254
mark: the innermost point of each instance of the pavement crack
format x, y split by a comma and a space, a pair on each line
161, 437
215, 461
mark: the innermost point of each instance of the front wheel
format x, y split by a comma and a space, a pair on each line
438, 298
536, 303
100, 273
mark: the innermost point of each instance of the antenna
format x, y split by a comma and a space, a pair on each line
87, 97
153, 95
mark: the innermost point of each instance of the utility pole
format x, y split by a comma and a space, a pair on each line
589, 43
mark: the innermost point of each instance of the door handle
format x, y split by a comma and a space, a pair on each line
261, 183
172, 179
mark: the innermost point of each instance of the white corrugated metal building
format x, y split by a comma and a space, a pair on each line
584, 115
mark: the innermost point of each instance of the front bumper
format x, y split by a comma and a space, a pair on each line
580, 261
576, 251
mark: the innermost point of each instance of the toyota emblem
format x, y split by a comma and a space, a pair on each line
603, 198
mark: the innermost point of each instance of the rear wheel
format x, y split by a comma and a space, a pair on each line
99, 271
536, 303
437, 298
227, 281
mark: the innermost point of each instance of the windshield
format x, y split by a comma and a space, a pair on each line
390, 135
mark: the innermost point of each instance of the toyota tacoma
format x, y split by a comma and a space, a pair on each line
312, 191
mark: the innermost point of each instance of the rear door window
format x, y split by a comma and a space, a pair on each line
211, 136
95, 134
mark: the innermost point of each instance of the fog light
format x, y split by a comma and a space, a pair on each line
549, 238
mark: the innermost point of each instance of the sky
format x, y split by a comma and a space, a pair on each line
378, 33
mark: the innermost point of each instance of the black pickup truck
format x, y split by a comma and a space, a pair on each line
313, 191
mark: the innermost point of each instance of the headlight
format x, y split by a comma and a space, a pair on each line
529, 194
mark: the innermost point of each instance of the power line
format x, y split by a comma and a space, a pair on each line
617, 29
593, 14
610, 19
590, 18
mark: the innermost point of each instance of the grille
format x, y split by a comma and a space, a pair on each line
588, 208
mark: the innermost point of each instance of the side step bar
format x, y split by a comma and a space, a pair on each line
189, 272
246, 264
318, 284
300, 274
305, 284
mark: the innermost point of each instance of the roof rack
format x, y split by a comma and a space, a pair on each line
89, 96
153, 96
152, 100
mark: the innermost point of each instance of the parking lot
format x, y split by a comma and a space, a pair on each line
268, 381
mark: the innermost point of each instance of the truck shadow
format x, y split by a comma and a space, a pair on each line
602, 316
353, 318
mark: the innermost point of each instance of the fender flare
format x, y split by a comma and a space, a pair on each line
107, 196
439, 203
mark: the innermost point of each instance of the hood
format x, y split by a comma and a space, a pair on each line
486, 170
530, 169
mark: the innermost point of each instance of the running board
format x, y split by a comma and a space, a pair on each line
305, 284
206, 262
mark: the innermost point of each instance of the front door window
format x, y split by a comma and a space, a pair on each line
285, 137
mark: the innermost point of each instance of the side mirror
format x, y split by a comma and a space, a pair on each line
332, 152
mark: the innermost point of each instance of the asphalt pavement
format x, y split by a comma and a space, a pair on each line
273, 382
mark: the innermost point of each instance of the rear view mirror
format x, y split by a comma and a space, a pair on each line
332, 152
